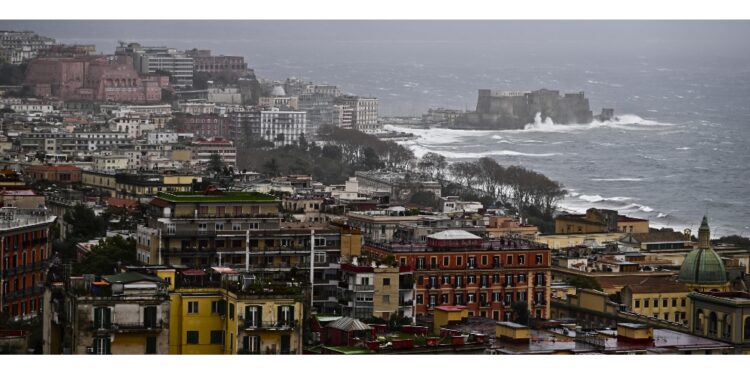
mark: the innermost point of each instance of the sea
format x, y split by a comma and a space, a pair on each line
678, 149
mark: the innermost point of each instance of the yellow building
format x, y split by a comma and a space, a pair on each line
385, 301
444, 315
510, 331
600, 221
666, 300
559, 241
224, 312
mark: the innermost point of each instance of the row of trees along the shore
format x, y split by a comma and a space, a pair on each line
344, 151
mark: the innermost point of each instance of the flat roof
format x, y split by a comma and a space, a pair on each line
234, 196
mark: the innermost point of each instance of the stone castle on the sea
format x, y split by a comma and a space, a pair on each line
516, 109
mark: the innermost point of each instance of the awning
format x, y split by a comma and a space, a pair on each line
193, 272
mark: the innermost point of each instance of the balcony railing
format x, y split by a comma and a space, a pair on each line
128, 327
270, 326
364, 288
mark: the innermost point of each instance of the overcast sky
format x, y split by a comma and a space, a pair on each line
692, 40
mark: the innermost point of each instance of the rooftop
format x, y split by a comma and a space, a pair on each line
186, 197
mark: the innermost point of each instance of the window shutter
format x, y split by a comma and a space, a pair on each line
279, 315
259, 316
97, 318
291, 315
107, 318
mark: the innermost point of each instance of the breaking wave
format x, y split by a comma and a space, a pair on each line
631, 179
626, 121
599, 198
420, 151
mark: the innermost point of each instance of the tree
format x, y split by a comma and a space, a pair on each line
271, 168
584, 282
107, 256
216, 164
84, 224
521, 312
424, 198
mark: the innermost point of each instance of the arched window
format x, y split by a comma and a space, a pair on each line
698, 321
712, 324
747, 328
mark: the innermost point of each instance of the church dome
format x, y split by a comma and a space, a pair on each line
703, 265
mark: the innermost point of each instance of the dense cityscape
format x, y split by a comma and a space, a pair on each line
163, 201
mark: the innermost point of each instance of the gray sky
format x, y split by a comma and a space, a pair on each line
692, 41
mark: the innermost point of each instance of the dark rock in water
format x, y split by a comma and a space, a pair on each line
516, 109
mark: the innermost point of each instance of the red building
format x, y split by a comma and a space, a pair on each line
206, 126
63, 174
98, 78
487, 276
24, 249
204, 62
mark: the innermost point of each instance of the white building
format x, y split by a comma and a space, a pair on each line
196, 108
204, 148
110, 163
282, 128
134, 127
19, 46
32, 108
149, 60
364, 113
166, 137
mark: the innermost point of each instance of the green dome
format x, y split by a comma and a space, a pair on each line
703, 266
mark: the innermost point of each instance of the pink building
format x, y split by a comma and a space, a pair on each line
98, 78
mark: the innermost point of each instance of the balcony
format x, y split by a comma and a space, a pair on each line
128, 327
270, 326
364, 288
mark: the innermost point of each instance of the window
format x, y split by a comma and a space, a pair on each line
102, 317
432, 300
509, 260
674, 302
637, 304
676, 316
521, 259
202, 227
193, 307
252, 316
217, 337
484, 260
386, 299
320, 241
102, 345
219, 226
285, 315
252, 225
471, 298
656, 303
459, 261
402, 261
472, 279
420, 263
538, 259
192, 337
446, 261
236, 227
459, 299
471, 262
522, 278
420, 280
666, 316
214, 307
496, 297
420, 299
645, 302
446, 280
171, 228
149, 317
682, 302
665, 303
151, 345
433, 262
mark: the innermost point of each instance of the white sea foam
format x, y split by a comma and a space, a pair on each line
420, 151
618, 179
683, 148
626, 122
598, 198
